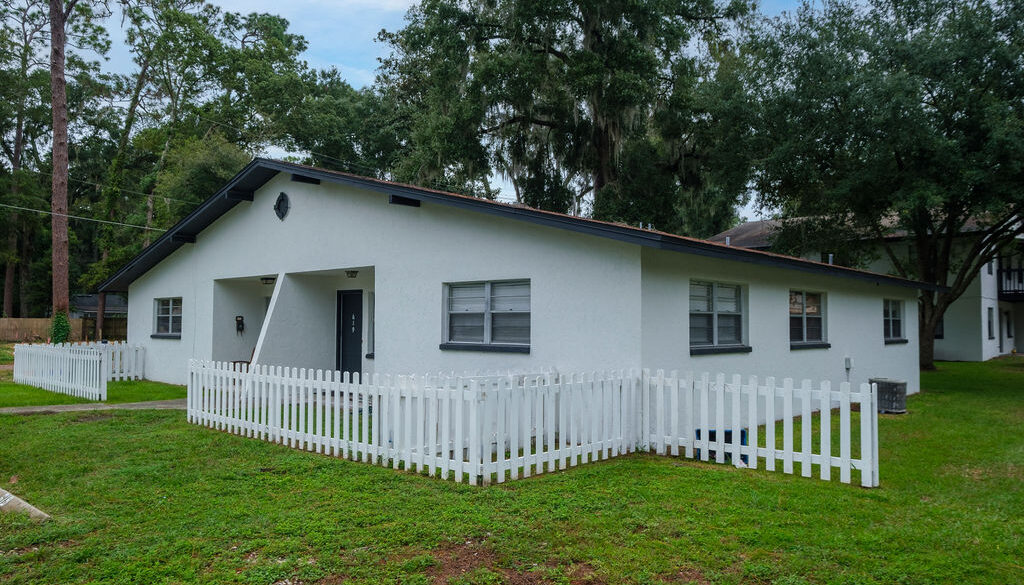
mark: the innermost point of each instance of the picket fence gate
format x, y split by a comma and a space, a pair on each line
65, 368
494, 428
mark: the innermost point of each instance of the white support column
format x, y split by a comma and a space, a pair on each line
266, 319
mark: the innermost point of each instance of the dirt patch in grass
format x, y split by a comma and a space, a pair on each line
978, 473
17, 552
583, 573
474, 562
688, 575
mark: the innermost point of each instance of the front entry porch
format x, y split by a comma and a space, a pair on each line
319, 320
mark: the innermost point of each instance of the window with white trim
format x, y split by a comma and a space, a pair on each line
892, 319
488, 313
167, 316
806, 317
716, 314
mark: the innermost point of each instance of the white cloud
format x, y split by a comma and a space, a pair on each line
339, 33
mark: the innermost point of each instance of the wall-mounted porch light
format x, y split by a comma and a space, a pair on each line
351, 273
268, 279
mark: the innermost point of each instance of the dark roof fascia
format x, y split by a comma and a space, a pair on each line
625, 234
175, 237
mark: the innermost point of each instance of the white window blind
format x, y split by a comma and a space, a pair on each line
493, 313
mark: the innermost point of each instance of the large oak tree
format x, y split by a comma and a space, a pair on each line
896, 118
571, 101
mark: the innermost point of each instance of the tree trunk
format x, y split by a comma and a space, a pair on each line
928, 318
12, 261
59, 201
101, 309
604, 173
24, 272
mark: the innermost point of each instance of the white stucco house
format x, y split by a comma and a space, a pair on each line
299, 266
982, 324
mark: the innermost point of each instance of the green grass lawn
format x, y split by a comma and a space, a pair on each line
12, 394
144, 497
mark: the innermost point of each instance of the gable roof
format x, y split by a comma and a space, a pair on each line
260, 171
750, 234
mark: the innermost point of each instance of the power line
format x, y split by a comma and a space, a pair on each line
347, 164
350, 164
121, 189
92, 219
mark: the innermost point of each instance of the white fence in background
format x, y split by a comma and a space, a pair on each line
495, 428
124, 361
68, 369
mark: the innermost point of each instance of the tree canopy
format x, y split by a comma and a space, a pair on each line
616, 102
895, 118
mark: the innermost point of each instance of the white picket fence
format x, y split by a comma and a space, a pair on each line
65, 368
494, 428
124, 361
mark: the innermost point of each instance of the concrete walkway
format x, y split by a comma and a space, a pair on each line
178, 404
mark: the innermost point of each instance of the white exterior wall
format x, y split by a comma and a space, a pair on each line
1018, 326
233, 298
853, 323
585, 290
966, 323
964, 328
176, 276
988, 298
1006, 326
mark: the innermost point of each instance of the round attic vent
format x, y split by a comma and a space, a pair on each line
281, 206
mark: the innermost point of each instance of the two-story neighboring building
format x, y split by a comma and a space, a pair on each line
982, 324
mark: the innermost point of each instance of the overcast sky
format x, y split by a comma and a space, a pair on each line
340, 33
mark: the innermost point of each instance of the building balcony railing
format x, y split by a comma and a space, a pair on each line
1011, 284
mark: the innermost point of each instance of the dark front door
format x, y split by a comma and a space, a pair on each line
349, 347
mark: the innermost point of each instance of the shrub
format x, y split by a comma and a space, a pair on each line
60, 330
